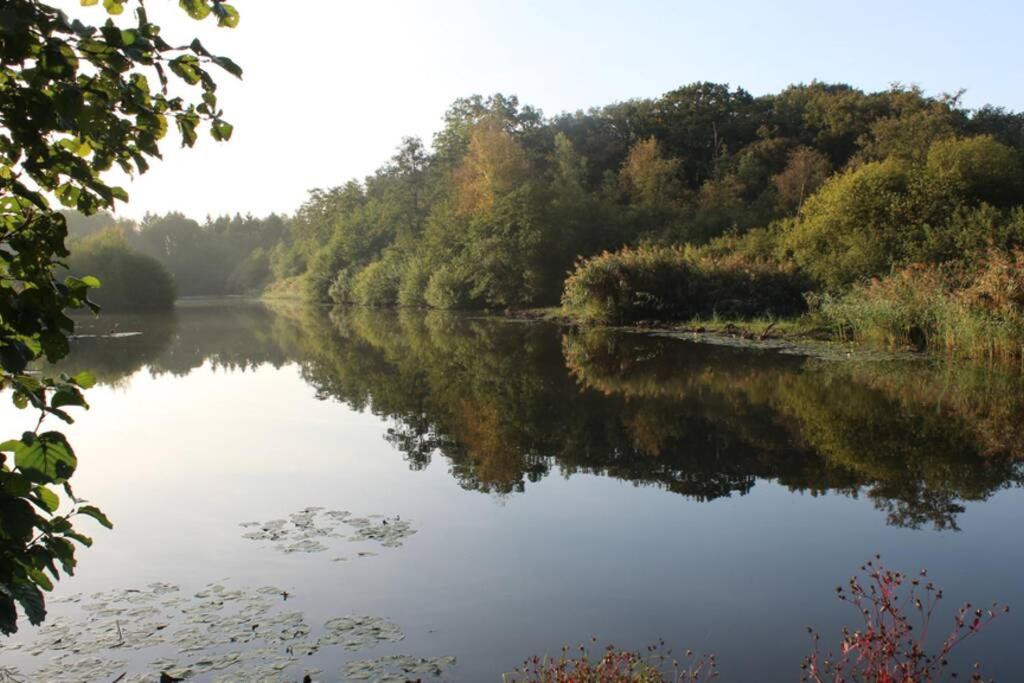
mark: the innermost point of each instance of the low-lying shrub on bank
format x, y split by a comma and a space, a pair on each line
676, 283
976, 312
377, 284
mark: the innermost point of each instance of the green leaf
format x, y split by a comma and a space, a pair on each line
186, 67
17, 519
48, 459
8, 613
95, 513
55, 345
16, 485
197, 9
221, 130
39, 578
31, 600
81, 538
89, 3
48, 498
114, 6
67, 395
84, 379
227, 15
228, 65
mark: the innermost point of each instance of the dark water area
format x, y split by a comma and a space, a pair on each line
541, 486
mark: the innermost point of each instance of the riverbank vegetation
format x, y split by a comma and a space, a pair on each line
820, 200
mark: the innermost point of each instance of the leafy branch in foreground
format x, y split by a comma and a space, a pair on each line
75, 100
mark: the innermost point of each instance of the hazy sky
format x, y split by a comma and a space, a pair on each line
332, 85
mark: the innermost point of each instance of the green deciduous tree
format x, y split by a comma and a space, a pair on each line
130, 281
76, 100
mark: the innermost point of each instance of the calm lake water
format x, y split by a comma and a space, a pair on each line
562, 485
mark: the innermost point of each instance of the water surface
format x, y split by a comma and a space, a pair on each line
562, 485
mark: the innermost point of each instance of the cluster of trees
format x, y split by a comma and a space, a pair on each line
224, 255
129, 280
836, 181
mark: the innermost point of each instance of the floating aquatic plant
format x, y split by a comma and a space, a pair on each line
312, 529
397, 668
218, 633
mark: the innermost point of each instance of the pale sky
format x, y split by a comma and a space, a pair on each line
331, 86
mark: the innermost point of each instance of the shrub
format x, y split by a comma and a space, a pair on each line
852, 227
672, 283
448, 288
377, 284
130, 281
323, 269
413, 285
980, 168
975, 311
340, 291
757, 244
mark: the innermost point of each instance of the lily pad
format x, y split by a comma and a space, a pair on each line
397, 668
314, 530
219, 633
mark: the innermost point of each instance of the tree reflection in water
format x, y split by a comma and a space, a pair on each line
507, 403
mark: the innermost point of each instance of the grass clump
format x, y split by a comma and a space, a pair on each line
678, 284
975, 312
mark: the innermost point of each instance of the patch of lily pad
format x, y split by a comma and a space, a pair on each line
397, 668
216, 634
315, 529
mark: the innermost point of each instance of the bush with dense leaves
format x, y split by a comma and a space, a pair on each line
130, 281
672, 283
377, 283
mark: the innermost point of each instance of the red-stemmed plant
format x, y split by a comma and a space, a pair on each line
892, 646
656, 665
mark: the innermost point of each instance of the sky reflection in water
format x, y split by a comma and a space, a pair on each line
562, 484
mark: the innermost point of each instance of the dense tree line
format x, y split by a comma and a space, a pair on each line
224, 255
836, 182
704, 201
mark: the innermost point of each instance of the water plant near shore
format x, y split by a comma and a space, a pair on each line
656, 664
893, 645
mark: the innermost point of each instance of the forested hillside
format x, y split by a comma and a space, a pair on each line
704, 201
505, 201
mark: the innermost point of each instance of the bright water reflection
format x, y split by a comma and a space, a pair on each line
562, 484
